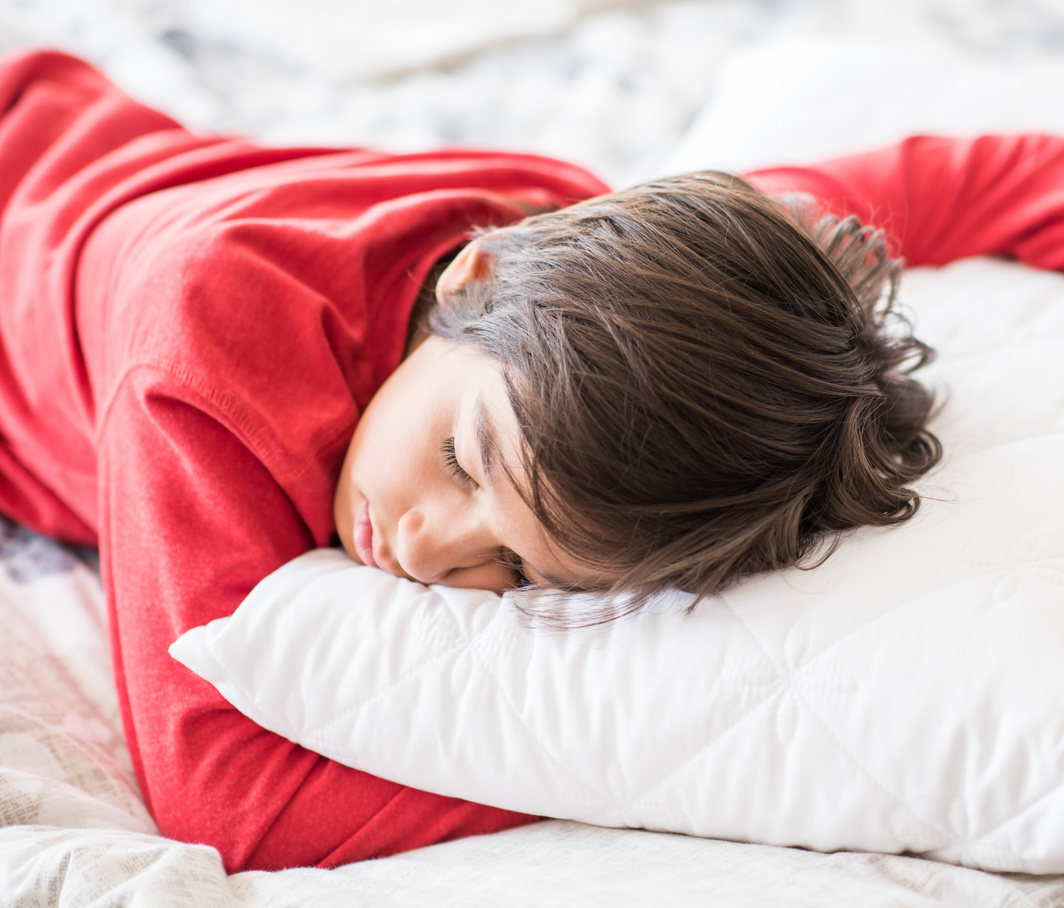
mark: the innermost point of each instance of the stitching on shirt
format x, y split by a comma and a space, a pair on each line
226, 409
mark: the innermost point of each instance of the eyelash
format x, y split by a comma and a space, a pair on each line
513, 562
453, 466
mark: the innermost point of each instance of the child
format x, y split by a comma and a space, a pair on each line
683, 384
630, 454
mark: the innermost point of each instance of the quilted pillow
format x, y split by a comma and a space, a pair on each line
905, 696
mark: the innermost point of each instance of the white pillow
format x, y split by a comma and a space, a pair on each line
906, 696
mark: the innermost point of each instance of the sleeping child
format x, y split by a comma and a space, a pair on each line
473, 368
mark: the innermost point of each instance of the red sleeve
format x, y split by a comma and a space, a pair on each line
189, 327
234, 329
190, 520
941, 199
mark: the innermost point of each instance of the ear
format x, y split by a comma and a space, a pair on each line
471, 264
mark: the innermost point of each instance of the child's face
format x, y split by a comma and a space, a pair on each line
424, 493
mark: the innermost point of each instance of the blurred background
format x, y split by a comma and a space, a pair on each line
611, 84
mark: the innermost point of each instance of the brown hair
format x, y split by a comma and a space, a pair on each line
709, 383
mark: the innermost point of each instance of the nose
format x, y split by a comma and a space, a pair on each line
430, 545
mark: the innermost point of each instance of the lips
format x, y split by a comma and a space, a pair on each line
364, 538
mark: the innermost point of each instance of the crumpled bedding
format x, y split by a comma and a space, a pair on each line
63, 759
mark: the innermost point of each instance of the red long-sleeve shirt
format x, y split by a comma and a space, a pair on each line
941, 199
189, 329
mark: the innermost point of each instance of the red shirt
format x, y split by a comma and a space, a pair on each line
941, 199
189, 329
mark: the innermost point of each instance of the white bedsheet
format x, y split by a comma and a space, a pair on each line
554, 863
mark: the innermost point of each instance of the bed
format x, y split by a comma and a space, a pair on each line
649, 88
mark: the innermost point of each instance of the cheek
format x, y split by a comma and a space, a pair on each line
394, 459
390, 457
347, 501
359, 473
367, 458
367, 476
494, 577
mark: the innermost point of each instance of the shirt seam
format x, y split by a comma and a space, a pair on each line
224, 407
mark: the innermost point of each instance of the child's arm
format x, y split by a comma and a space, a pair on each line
191, 519
214, 340
942, 199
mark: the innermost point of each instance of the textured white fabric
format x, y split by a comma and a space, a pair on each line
558, 863
63, 759
905, 696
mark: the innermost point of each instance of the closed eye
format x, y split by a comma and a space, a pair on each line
513, 561
450, 460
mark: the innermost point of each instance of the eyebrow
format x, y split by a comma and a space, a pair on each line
487, 441
488, 448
